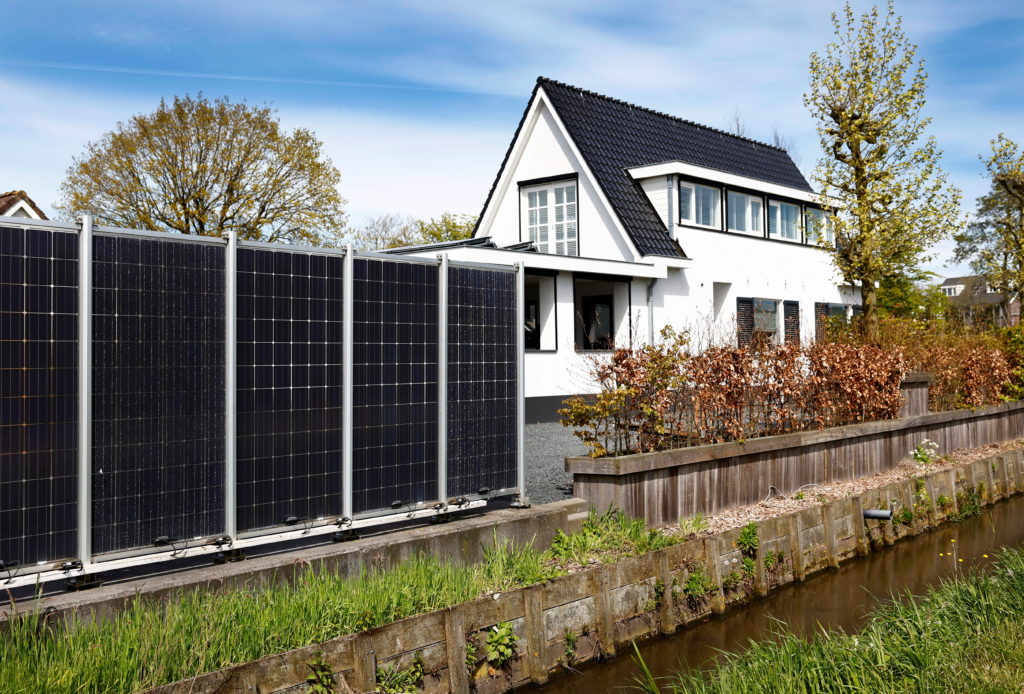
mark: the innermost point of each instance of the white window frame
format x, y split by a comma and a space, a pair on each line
775, 217
810, 213
545, 218
752, 207
688, 192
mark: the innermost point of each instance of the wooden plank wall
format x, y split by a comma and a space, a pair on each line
663, 487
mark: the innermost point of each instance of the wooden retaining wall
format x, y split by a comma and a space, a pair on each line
605, 607
665, 486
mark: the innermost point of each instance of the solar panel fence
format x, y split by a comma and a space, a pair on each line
164, 395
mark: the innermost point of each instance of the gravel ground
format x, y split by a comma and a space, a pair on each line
814, 495
547, 446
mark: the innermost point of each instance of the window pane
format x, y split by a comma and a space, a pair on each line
773, 222
542, 198
686, 203
570, 193
533, 199
765, 315
570, 211
755, 215
559, 196
737, 205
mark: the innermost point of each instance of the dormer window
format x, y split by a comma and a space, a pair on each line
700, 205
783, 220
551, 217
744, 213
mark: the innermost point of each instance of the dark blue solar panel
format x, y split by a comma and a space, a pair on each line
290, 418
38, 395
394, 394
482, 394
158, 391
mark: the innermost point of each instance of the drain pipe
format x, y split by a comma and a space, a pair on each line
878, 514
650, 310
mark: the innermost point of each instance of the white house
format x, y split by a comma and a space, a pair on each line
17, 203
627, 220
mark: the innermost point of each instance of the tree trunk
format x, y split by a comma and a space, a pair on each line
869, 301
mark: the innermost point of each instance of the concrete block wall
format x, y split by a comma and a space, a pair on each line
607, 606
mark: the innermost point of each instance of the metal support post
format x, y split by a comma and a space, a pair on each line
442, 378
346, 370
521, 500
230, 383
85, 390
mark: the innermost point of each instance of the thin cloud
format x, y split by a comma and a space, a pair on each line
81, 67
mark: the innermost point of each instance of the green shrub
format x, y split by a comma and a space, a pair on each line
501, 645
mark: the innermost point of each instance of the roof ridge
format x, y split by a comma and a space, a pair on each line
541, 80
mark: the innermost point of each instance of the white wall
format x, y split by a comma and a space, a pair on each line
543, 150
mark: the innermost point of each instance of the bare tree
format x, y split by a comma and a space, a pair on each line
205, 167
384, 231
735, 123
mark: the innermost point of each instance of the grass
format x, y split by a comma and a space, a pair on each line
966, 635
155, 642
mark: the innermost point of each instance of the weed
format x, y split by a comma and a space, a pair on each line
904, 517
943, 502
470, 655
654, 602
501, 645
969, 502
772, 559
394, 680
646, 682
748, 541
693, 525
799, 496
320, 679
571, 637
925, 452
607, 537
749, 566
732, 580
698, 586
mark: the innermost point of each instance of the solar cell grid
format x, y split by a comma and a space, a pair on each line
289, 397
38, 394
482, 383
158, 391
394, 434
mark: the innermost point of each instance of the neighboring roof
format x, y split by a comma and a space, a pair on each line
975, 291
613, 136
9, 200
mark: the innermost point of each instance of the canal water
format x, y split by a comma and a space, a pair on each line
832, 599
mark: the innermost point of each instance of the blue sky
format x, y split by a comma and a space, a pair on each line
416, 102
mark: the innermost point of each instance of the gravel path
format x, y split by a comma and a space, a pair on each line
547, 446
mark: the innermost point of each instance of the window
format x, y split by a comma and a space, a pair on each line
766, 320
743, 213
699, 205
950, 291
600, 306
819, 226
551, 218
783, 220
539, 309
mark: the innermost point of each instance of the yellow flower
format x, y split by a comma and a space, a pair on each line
941, 554
985, 555
952, 540
960, 560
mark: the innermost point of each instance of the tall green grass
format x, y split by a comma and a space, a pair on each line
966, 635
154, 642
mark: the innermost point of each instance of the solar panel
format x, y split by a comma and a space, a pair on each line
38, 394
394, 384
158, 391
482, 384
289, 399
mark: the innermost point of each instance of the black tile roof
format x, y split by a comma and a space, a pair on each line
613, 136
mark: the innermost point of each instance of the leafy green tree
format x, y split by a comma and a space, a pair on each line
447, 227
878, 171
205, 167
911, 297
994, 242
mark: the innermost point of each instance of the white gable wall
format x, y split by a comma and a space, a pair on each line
543, 150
